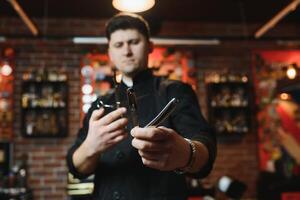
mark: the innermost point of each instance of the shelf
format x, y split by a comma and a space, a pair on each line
229, 106
44, 135
230, 82
40, 121
44, 82
44, 108
230, 137
233, 85
231, 133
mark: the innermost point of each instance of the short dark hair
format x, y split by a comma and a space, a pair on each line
127, 21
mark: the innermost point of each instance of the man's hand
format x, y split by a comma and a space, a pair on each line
161, 148
105, 131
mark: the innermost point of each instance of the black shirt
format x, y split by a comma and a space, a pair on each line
121, 173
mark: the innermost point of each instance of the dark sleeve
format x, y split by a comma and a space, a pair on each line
189, 122
82, 133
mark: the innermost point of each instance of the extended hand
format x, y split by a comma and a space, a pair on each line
105, 131
161, 148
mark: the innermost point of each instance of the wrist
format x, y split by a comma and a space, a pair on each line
88, 151
191, 159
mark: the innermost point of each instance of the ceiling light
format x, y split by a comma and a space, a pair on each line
156, 41
133, 5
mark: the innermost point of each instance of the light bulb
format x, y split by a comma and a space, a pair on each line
6, 70
224, 183
284, 96
291, 73
87, 89
86, 107
133, 5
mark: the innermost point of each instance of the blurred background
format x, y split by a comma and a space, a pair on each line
241, 57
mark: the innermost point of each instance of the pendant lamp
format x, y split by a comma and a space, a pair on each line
134, 6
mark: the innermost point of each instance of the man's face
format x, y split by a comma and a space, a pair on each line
128, 49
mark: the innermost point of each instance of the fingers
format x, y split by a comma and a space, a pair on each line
113, 135
97, 114
153, 146
151, 133
156, 160
112, 116
155, 164
111, 143
118, 124
154, 156
165, 129
116, 137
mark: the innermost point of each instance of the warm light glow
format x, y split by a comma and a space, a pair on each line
6, 70
245, 79
291, 72
86, 107
224, 183
284, 96
4, 105
87, 71
88, 98
133, 5
87, 89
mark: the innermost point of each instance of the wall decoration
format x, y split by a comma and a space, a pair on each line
6, 93
96, 79
278, 117
269, 72
175, 64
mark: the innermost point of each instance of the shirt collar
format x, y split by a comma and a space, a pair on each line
142, 76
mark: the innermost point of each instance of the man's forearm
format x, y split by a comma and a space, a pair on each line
85, 162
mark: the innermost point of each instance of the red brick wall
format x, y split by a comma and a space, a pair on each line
46, 157
47, 167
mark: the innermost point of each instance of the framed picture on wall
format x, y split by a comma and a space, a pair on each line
5, 157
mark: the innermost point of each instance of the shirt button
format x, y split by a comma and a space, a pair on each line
120, 155
116, 195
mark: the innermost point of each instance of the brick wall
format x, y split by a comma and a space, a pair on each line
46, 157
47, 167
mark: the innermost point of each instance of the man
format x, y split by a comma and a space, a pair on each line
135, 162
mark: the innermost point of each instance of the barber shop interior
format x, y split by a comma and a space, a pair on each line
150, 100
